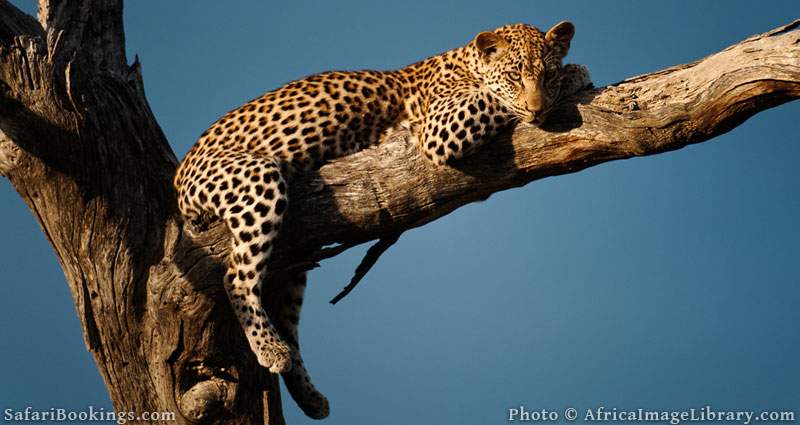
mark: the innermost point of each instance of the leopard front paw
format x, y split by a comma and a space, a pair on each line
275, 356
574, 79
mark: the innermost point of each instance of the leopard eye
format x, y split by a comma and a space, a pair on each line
514, 75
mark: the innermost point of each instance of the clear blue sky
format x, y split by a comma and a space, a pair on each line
663, 282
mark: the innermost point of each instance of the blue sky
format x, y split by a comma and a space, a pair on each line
667, 282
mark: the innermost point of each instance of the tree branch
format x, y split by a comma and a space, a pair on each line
390, 188
80, 145
373, 253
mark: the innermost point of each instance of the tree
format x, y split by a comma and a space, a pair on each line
82, 148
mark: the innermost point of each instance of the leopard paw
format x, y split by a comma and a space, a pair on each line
275, 356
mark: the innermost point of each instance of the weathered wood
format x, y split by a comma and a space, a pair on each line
82, 148
389, 188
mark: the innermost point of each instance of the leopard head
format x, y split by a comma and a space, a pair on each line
521, 67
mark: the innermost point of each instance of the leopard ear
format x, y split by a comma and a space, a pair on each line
490, 45
560, 36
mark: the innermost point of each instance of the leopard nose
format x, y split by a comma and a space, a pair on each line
534, 108
537, 116
534, 104
534, 112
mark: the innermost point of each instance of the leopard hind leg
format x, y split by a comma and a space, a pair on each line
248, 193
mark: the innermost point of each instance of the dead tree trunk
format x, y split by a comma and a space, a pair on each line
82, 148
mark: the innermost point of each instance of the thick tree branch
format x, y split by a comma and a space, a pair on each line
82, 148
390, 188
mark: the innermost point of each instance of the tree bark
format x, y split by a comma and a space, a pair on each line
82, 148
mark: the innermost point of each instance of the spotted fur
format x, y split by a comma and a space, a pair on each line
454, 102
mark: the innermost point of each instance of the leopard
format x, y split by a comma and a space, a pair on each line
240, 168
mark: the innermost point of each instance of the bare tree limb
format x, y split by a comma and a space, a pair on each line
373, 253
390, 188
82, 148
